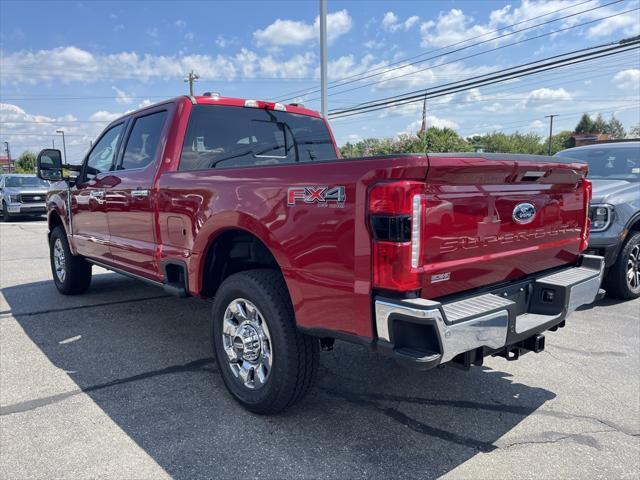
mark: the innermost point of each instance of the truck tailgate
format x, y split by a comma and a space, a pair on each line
493, 218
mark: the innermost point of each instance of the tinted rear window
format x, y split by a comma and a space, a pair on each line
223, 136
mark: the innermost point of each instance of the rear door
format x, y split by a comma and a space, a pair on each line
130, 200
88, 202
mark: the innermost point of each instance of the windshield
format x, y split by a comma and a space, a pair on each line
223, 136
611, 163
25, 182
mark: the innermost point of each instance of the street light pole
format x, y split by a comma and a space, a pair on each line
323, 57
64, 145
550, 117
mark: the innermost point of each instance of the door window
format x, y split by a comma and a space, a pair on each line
143, 142
101, 157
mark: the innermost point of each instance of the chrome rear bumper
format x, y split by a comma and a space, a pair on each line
487, 322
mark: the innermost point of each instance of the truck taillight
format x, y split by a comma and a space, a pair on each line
395, 216
587, 189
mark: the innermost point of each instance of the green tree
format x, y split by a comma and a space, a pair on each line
559, 141
499, 142
600, 124
634, 132
585, 125
615, 128
26, 162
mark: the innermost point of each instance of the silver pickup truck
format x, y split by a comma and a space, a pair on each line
22, 194
614, 170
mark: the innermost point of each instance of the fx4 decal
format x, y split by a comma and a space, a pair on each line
320, 195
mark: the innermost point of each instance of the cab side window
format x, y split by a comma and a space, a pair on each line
101, 157
143, 141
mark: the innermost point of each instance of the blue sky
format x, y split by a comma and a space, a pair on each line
77, 65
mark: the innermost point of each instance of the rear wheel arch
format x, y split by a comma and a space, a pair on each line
232, 251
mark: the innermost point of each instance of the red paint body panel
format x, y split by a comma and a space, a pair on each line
325, 251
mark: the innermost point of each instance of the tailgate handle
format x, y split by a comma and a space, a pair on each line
532, 176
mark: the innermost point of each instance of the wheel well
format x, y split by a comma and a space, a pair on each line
54, 221
635, 226
233, 251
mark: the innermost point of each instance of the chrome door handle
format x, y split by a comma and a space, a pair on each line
140, 193
96, 194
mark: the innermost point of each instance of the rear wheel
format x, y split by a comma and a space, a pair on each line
71, 273
623, 279
265, 362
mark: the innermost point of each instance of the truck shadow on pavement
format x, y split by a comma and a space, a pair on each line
145, 360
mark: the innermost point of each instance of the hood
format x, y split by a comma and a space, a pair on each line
614, 191
26, 190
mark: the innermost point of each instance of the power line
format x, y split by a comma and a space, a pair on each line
306, 91
477, 54
510, 73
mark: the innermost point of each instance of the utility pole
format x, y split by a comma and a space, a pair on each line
64, 145
6, 145
423, 127
550, 117
53, 143
323, 57
192, 77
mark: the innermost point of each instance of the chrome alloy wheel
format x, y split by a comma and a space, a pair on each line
633, 269
247, 343
59, 261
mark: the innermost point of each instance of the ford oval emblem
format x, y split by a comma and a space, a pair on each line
524, 213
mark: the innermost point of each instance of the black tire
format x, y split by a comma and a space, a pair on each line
6, 216
77, 271
617, 283
295, 356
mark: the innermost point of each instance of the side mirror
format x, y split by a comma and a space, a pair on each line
49, 163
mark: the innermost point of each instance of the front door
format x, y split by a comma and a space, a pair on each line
130, 201
88, 197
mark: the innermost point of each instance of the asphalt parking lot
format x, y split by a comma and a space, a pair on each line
120, 383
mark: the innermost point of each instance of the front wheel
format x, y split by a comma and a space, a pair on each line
6, 216
71, 273
623, 279
265, 362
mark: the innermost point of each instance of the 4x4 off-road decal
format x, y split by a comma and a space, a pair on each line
319, 195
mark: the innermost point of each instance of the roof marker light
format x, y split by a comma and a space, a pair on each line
280, 107
251, 103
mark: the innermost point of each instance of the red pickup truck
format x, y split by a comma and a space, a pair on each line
432, 259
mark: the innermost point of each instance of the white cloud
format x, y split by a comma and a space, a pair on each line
152, 32
145, 103
72, 64
391, 23
181, 23
542, 97
628, 24
432, 121
189, 36
455, 26
537, 125
121, 96
221, 41
105, 116
28, 131
628, 80
295, 32
118, 28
